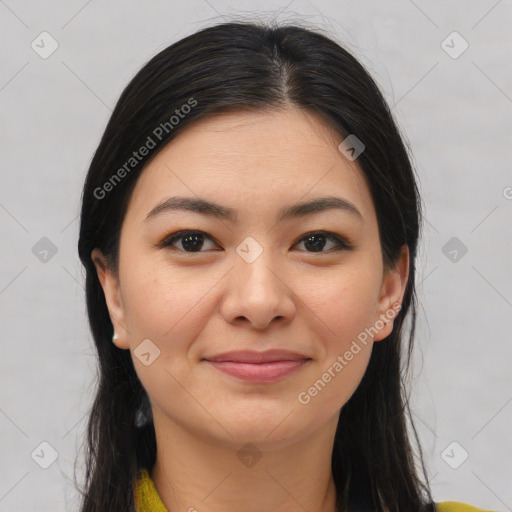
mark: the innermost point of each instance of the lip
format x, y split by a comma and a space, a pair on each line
263, 367
254, 357
262, 372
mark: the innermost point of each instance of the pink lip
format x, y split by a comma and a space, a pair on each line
259, 372
268, 366
251, 356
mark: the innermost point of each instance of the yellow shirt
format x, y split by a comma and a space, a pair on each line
148, 500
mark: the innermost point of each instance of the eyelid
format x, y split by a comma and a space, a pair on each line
176, 235
343, 242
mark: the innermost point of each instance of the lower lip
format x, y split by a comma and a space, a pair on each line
264, 372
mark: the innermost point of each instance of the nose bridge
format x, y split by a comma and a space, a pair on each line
258, 290
257, 266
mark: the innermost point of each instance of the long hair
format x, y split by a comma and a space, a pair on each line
253, 67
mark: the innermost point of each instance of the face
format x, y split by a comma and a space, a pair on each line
248, 278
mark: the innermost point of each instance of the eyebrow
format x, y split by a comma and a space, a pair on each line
204, 207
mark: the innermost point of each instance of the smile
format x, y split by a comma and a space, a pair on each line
259, 372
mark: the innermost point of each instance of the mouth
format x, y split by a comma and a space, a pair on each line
263, 367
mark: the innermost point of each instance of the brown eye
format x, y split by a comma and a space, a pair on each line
317, 241
191, 241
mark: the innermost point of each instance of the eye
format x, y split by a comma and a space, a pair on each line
316, 241
193, 241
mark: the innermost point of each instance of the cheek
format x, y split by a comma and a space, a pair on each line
335, 382
159, 300
168, 308
347, 312
346, 303
171, 308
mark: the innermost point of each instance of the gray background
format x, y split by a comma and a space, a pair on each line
455, 110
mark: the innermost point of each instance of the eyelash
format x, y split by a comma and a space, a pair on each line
343, 244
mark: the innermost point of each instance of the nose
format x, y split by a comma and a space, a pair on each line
258, 293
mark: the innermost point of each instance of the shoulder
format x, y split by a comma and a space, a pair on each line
147, 499
455, 506
145, 494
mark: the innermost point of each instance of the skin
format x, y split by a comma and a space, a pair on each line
197, 304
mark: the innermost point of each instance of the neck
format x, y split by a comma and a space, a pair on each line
193, 472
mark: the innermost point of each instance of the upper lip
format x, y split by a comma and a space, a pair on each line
251, 356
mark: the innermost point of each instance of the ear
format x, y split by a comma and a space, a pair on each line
110, 284
392, 292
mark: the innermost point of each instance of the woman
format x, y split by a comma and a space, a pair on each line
249, 230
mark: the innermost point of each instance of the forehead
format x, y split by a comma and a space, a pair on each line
253, 160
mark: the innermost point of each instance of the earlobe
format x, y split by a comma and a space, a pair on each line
392, 292
110, 284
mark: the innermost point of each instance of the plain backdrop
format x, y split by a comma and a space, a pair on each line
452, 97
